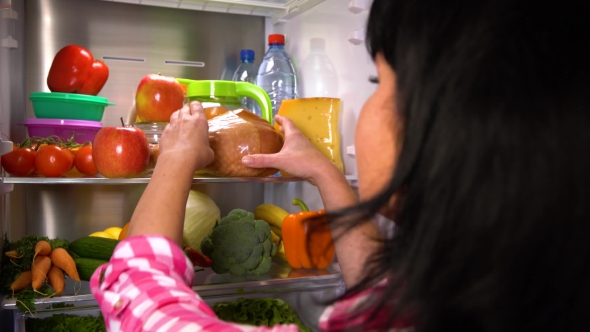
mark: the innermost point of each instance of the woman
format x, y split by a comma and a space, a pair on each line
475, 142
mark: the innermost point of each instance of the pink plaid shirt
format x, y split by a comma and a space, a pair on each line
147, 287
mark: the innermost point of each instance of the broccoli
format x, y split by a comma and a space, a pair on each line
240, 245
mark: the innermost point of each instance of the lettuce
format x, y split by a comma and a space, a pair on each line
199, 219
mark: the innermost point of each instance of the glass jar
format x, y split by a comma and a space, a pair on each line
153, 132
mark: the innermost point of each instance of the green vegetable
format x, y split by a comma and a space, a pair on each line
66, 323
87, 266
94, 247
25, 299
261, 311
61, 305
239, 245
199, 218
25, 247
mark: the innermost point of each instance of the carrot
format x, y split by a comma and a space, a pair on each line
13, 254
23, 280
41, 265
42, 248
56, 279
63, 260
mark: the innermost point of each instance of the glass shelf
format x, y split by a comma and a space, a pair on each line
210, 286
102, 180
278, 10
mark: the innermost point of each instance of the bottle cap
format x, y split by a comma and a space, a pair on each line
276, 39
247, 55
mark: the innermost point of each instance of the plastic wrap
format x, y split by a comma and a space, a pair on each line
235, 134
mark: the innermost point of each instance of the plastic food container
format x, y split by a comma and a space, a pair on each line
57, 105
153, 132
84, 130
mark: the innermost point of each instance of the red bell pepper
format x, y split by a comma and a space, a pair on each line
197, 258
74, 70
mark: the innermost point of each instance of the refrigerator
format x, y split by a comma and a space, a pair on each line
196, 39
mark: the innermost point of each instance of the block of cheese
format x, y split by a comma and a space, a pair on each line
317, 119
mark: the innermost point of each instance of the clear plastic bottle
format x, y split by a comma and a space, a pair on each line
276, 74
247, 72
318, 76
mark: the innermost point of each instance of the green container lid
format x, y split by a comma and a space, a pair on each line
57, 105
69, 97
228, 92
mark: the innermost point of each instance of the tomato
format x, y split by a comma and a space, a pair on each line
19, 162
84, 162
53, 161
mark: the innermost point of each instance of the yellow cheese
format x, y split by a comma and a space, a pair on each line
317, 119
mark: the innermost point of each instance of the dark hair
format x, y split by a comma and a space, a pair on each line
493, 227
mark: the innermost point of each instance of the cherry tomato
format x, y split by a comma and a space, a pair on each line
53, 161
19, 162
84, 162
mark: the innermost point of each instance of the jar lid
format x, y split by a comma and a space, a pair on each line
215, 89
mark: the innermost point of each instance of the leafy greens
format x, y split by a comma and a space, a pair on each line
66, 323
258, 311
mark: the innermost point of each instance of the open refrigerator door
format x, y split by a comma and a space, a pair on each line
173, 37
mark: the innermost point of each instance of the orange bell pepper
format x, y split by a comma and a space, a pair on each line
307, 238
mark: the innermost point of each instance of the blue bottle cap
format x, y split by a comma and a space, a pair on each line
247, 55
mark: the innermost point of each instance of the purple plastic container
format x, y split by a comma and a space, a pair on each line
84, 130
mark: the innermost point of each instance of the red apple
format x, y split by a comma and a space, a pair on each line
158, 97
120, 152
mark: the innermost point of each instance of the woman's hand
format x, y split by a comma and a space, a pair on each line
186, 137
298, 156
184, 148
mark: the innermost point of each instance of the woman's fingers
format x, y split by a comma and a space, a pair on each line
287, 126
261, 161
195, 108
174, 117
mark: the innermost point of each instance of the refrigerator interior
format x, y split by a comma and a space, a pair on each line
193, 39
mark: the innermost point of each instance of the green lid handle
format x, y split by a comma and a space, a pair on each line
185, 81
245, 89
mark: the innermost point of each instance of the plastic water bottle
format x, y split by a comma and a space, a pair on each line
318, 76
246, 72
276, 74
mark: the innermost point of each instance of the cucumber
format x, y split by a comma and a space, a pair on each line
94, 247
87, 266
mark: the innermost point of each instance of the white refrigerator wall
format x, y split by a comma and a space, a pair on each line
334, 21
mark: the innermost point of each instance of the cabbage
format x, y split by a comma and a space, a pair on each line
199, 219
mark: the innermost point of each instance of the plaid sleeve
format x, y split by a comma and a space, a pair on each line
147, 287
354, 313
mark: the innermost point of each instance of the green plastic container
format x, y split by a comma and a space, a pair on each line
57, 105
228, 94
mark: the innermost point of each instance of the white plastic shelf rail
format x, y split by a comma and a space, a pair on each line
278, 10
